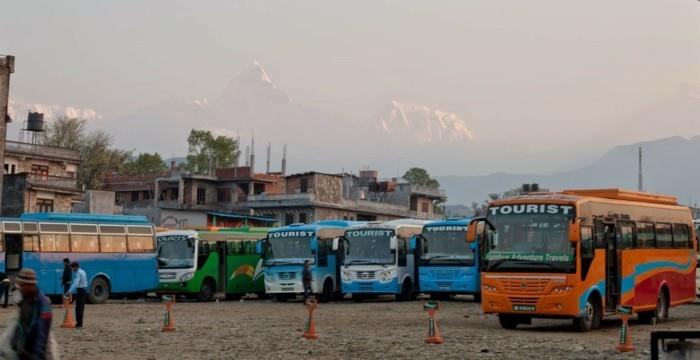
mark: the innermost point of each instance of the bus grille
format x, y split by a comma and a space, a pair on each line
523, 300
445, 274
287, 275
444, 284
365, 275
524, 286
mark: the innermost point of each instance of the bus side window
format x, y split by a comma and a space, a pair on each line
203, 254
626, 233
587, 250
599, 234
402, 252
681, 236
664, 236
30, 242
645, 235
322, 253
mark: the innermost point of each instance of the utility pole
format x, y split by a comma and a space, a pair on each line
640, 185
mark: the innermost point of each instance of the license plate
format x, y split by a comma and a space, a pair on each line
523, 307
287, 289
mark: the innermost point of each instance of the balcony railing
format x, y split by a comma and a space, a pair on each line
41, 150
53, 181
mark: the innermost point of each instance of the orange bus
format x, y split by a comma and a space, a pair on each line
580, 254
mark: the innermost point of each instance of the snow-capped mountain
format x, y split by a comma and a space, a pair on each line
422, 124
18, 111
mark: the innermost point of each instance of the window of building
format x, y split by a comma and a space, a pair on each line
288, 218
645, 235
55, 243
302, 218
134, 196
223, 195
424, 207
201, 196
40, 170
13, 169
664, 236
147, 195
681, 236
304, 185
44, 205
70, 174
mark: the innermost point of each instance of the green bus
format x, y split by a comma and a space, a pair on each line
199, 264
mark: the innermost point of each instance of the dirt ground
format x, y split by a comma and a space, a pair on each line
265, 329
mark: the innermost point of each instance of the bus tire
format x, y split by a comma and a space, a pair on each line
206, 292
261, 295
590, 318
507, 321
234, 296
406, 291
439, 296
99, 291
282, 298
327, 294
358, 298
477, 297
661, 312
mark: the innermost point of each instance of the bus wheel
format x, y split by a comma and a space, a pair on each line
327, 294
439, 296
206, 293
508, 322
234, 296
477, 297
261, 295
406, 291
661, 313
282, 298
99, 291
590, 318
358, 298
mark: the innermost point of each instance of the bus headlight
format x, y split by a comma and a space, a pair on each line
489, 288
346, 274
562, 289
386, 275
187, 276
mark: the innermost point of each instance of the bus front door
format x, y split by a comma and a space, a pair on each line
221, 249
612, 275
13, 252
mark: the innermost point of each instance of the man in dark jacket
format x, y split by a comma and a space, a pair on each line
31, 336
306, 280
67, 275
4, 288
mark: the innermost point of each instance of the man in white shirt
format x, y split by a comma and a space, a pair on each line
79, 288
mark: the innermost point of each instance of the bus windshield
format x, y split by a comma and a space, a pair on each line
369, 246
285, 250
446, 245
175, 251
534, 240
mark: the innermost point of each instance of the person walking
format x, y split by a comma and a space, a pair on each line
31, 336
79, 288
306, 280
4, 288
67, 275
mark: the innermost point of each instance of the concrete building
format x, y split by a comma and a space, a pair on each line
39, 178
7, 67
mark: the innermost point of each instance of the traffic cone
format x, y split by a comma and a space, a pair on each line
68, 320
169, 323
434, 336
310, 329
625, 342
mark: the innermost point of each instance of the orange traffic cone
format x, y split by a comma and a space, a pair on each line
68, 320
434, 336
169, 323
310, 330
625, 342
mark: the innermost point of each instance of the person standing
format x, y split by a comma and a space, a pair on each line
306, 279
31, 336
4, 288
67, 275
79, 288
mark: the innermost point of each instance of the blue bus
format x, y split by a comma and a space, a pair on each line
285, 249
116, 252
447, 264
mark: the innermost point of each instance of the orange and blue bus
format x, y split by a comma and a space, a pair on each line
580, 254
117, 252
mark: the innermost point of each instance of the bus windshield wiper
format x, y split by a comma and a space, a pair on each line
497, 264
359, 261
550, 265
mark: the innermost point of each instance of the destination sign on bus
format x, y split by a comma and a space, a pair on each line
291, 234
517, 209
446, 228
173, 237
369, 233
511, 255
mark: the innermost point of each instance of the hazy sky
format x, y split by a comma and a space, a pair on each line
529, 70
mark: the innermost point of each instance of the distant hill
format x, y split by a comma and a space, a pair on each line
671, 166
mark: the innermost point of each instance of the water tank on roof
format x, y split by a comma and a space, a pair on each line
35, 121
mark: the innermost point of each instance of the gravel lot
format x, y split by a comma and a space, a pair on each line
264, 329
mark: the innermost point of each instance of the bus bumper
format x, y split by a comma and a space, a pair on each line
370, 287
448, 280
556, 306
172, 288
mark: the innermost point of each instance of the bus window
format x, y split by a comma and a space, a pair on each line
140, 243
202, 253
323, 253
587, 248
626, 232
84, 243
645, 235
30, 242
233, 248
681, 236
664, 236
402, 252
111, 243
55, 243
599, 234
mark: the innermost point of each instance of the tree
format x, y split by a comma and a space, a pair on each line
65, 132
419, 176
145, 164
98, 157
205, 150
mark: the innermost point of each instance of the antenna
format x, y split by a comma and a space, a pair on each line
247, 155
284, 160
640, 185
267, 164
252, 155
238, 145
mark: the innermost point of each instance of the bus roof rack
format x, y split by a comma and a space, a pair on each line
624, 194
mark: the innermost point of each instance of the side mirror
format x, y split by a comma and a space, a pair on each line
190, 242
471, 233
393, 243
575, 231
314, 245
336, 244
259, 247
413, 243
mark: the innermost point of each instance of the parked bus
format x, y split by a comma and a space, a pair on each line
198, 264
696, 223
116, 252
378, 261
286, 248
582, 253
447, 264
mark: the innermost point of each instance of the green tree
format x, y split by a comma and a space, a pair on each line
65, 132
98, 158
205, 150
145, 164
419, 176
